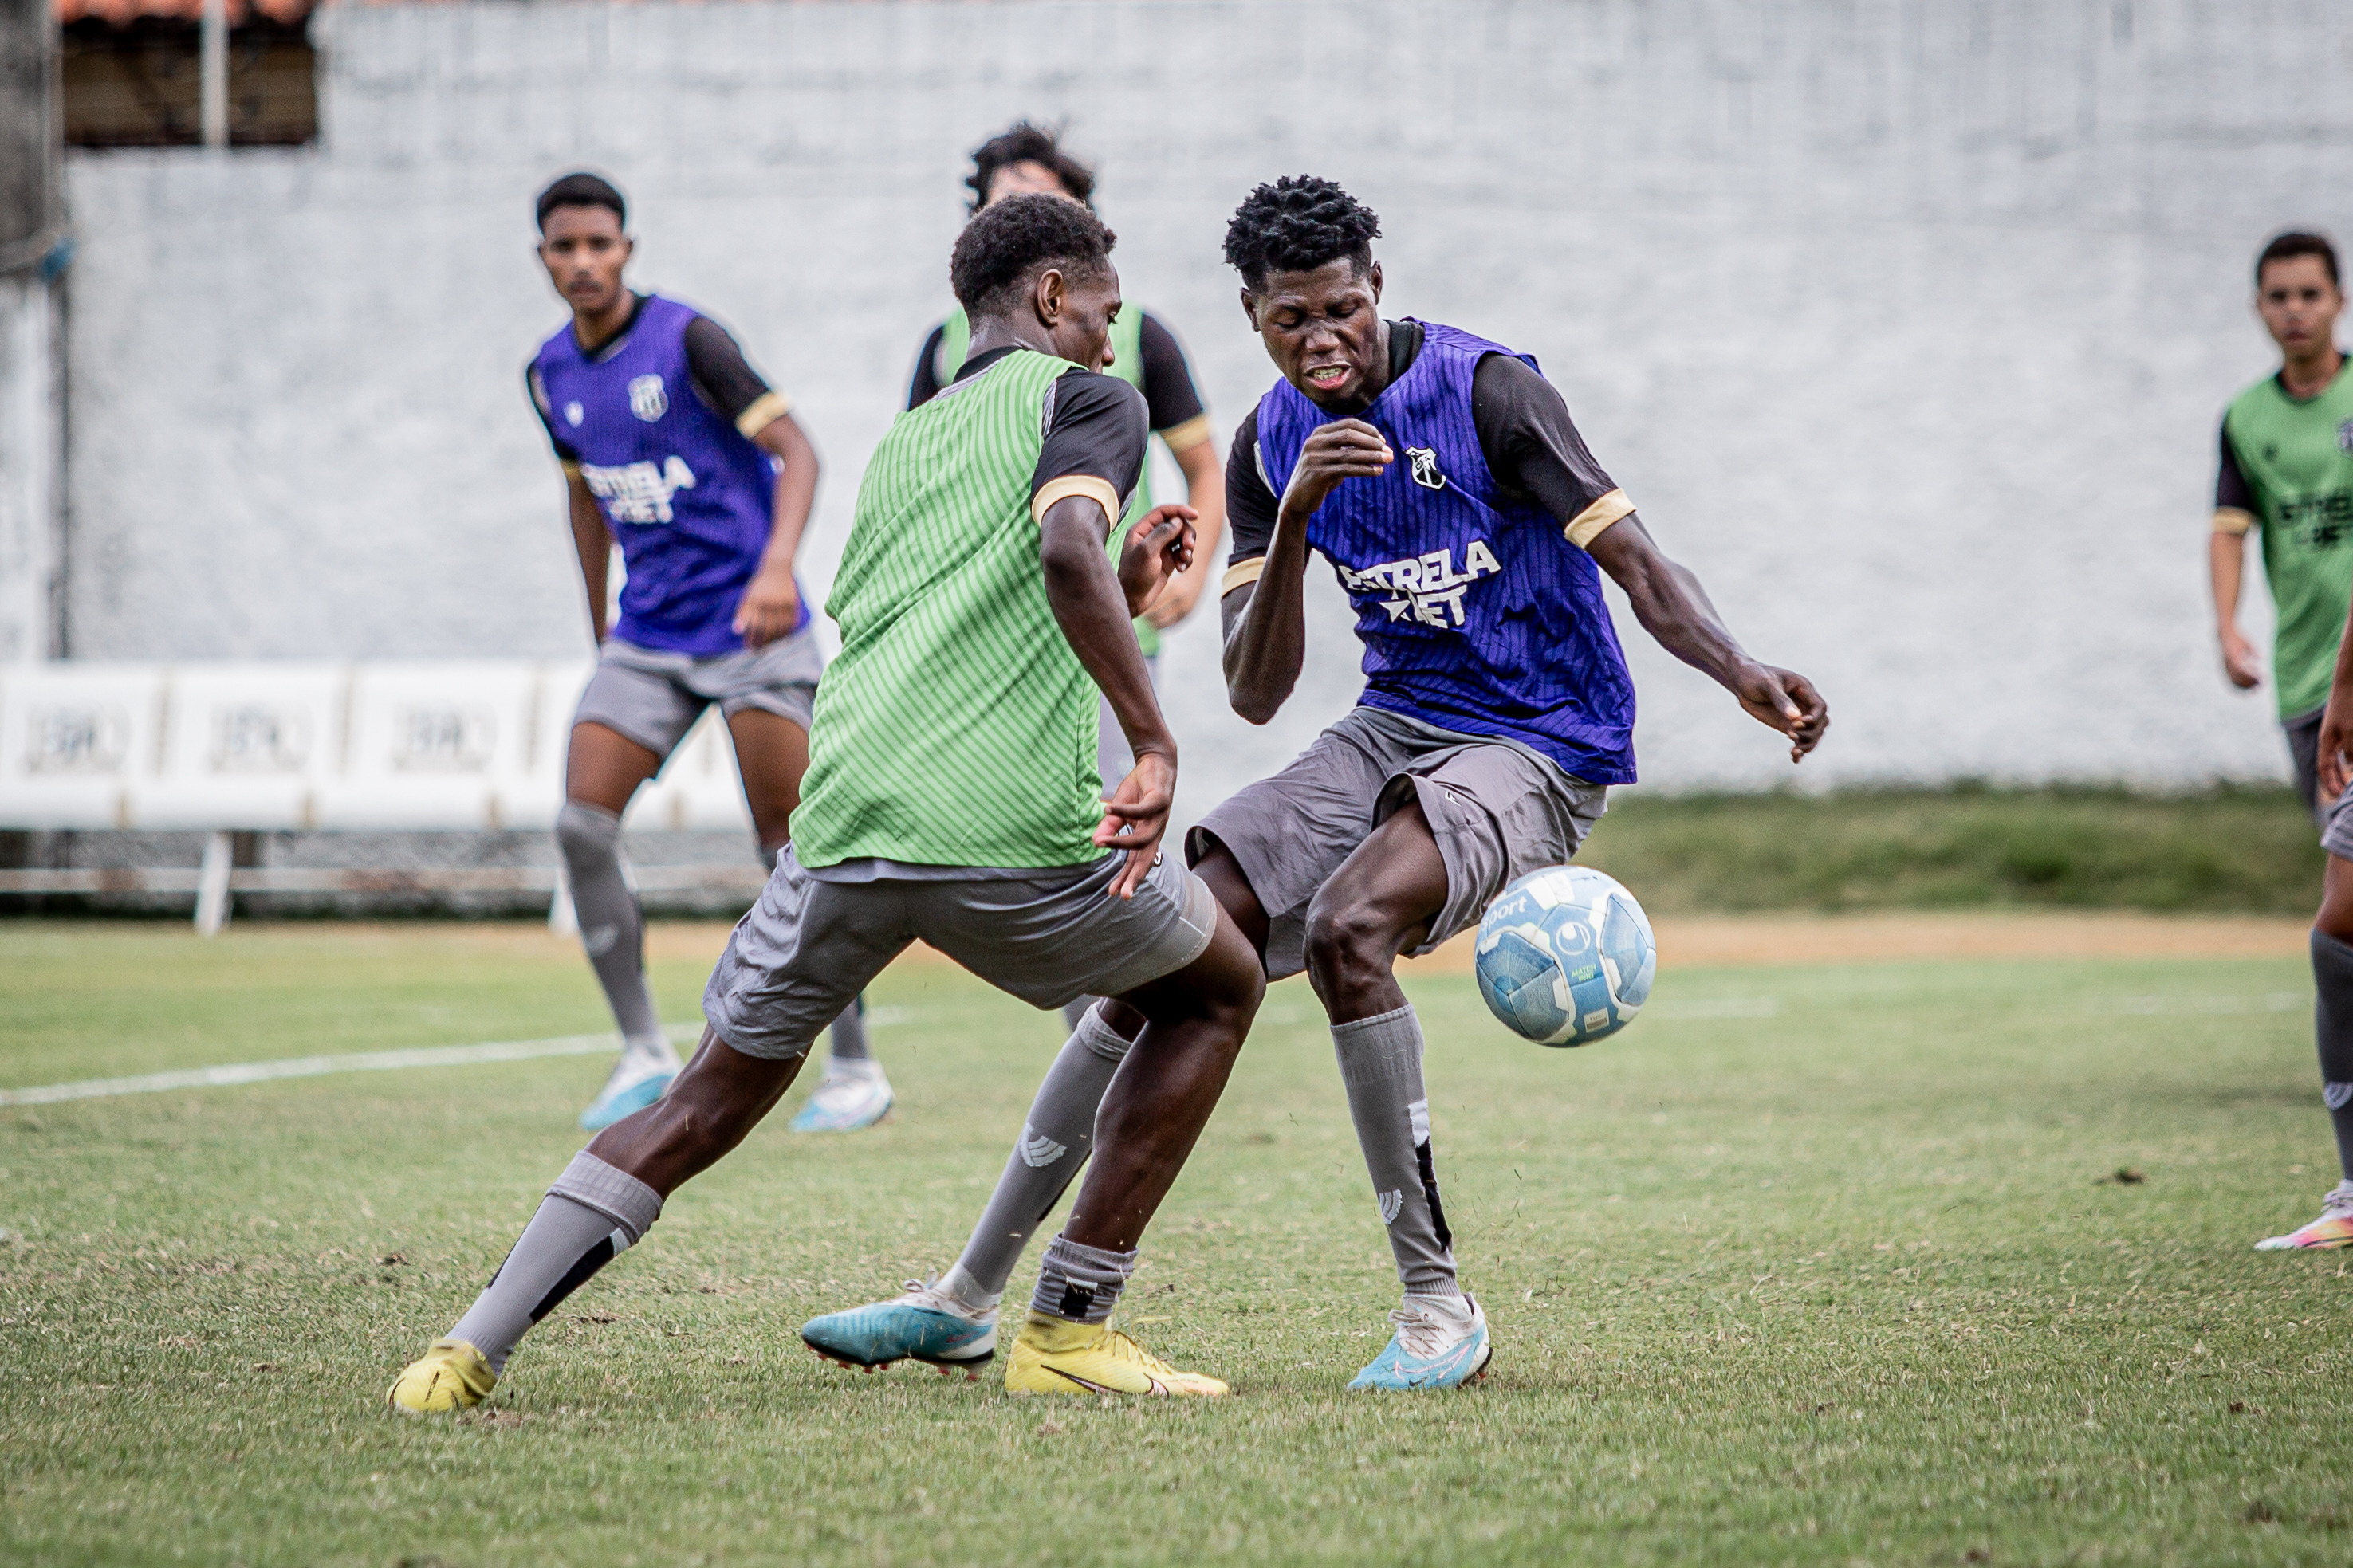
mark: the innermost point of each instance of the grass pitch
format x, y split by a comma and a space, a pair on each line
1818, 1263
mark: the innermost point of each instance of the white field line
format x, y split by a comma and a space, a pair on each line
228, 1073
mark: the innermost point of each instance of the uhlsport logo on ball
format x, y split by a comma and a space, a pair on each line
1566, 956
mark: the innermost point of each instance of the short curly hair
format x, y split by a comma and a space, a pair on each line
1006, 246
1028, 143
1298, 223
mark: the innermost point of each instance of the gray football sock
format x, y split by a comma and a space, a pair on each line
1380, 1063
592, 1215
2332, 976
1080, 1284
850, 1034
612, 927
1054, 1143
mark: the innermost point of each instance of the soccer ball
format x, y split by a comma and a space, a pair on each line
1565, 957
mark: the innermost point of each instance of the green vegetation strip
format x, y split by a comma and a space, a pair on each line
1923, 1264
2236, 851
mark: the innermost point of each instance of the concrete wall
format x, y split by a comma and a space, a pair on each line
1907, 324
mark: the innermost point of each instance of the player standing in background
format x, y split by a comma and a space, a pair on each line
2287, 471
951, 799
1145, 355
673, 448
1496, 712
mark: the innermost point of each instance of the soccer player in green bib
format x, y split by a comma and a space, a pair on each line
951, 798
2287, 474
1024, 160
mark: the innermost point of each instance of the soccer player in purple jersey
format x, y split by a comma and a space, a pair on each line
674, 449
1440, 476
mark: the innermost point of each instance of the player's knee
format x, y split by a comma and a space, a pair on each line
589, 835
1348, 945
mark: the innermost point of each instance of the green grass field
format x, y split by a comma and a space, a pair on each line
1815, 1264
2248, 849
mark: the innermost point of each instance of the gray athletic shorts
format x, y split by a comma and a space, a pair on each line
809, 947
1497, 812
654, 698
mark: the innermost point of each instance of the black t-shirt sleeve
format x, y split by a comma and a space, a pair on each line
1531, 443
721, 376
1250, 504
1094, 430
539, 405
2231, 487
1169, 395
926, 382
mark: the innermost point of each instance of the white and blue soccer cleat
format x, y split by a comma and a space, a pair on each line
1437, 1345
851, 1095
926, 1324
638, 1079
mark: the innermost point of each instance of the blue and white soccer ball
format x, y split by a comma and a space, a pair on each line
1566, 956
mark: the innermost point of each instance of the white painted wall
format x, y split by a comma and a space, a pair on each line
1907, 324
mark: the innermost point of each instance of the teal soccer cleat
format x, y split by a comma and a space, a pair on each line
926, 1324
626, 1093
1435, 1347
851, 1095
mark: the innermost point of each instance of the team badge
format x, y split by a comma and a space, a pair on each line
648, 400
1425, 468
2345, 437
573, 414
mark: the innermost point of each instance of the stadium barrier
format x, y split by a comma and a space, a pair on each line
222, 749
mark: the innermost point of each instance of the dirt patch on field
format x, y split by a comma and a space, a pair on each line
1698, 942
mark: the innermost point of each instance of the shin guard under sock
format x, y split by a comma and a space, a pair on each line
592, 1215
612, 927
2332, 977
1380, 1063
1054, 1143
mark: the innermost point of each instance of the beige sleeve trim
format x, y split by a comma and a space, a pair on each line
1191, 433
1586, 525
766, 410
2232, 520
1097, 490
1242, 573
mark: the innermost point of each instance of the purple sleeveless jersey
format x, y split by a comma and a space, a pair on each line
689, 500
1476, 613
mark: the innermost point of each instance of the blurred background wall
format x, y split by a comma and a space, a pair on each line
1906, 324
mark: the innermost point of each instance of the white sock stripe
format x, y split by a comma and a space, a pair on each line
229, 1074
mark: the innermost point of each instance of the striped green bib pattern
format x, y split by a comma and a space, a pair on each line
1127, 363
957, 727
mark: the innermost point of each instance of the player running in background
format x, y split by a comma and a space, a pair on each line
951, 798
1145, 355
674, 449
2287, 471
1440, 476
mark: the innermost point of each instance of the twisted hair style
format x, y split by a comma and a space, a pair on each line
1296, 225
1006, 245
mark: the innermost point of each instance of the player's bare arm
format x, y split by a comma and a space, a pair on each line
1675, 610
1096, 608
593, 542
1205, 486
2226, 564
771, 606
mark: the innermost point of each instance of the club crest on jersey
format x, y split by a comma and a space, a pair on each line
1426, 589
2345, 437
1425, 468
573, 414
647, 400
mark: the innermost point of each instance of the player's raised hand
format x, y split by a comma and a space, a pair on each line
1135, 816
770, 608
1785, 701
1344, 449
1158, 547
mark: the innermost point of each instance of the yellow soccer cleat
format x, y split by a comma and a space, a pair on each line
1051, 1355
452, 1375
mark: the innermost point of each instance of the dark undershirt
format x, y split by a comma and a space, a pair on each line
1530, 445
1170, 398
715, 368
1094, 426
2231, 487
